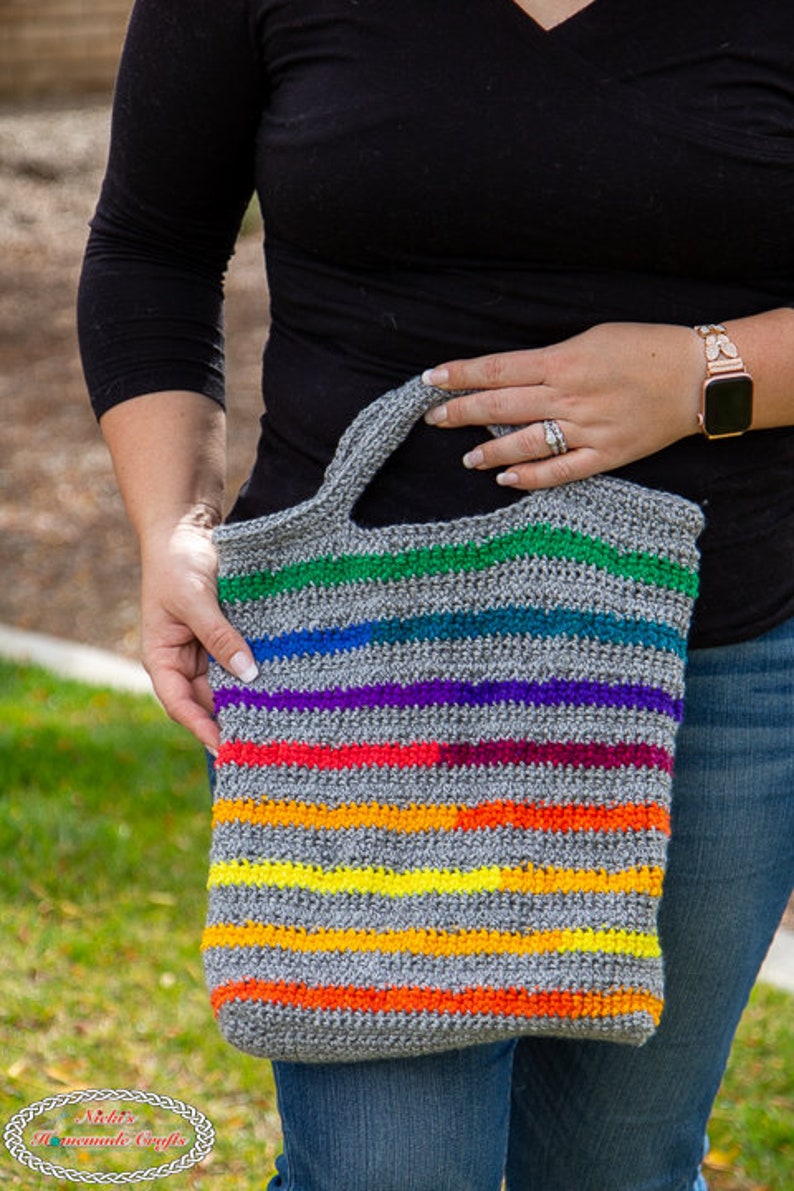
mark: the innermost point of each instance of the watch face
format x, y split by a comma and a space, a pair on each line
728, 405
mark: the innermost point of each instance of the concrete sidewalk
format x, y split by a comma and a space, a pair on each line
101, 668
70, 660
778, 967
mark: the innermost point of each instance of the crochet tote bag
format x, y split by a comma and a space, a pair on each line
442, 809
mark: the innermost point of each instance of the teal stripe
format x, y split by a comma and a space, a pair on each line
496, 622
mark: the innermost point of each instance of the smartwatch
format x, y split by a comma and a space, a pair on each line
726, 407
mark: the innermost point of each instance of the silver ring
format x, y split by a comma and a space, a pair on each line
555, 439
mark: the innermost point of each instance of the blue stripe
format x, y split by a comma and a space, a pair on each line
456, 626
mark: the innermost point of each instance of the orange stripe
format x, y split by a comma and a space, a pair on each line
373, 814
550, 880
514, 1002
418, 941
535, 817
416, 818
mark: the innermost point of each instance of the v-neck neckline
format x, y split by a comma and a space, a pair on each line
554, 44
550, 29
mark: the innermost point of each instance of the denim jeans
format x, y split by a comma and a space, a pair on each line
551, 1115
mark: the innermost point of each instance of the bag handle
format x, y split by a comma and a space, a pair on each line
371, 438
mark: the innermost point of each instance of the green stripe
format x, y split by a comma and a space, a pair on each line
540, 540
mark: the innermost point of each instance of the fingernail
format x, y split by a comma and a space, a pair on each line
435, 376
436, 415
213, 753
242, 666
506, 478
473, 458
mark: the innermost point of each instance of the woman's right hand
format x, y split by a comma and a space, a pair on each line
181, 623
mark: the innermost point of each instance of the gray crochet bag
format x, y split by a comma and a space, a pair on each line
442, 809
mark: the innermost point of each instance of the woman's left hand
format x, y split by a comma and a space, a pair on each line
618, 392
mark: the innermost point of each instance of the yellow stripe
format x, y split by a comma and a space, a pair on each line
431, 942
386, 882
284, 875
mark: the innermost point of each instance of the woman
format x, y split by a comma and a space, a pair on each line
549, 196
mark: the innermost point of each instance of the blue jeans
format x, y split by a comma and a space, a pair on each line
552, 1115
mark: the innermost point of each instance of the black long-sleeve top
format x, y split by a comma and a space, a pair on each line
442, 179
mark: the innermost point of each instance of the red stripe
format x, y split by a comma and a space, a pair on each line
320, 756
426, 754
514, 1002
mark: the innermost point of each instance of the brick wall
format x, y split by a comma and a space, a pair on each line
59, 47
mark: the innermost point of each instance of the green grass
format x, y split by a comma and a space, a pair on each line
752, 1125
104, 831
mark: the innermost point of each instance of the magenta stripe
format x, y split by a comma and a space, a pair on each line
555, 692
577, 755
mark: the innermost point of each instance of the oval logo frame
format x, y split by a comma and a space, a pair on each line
202, 1146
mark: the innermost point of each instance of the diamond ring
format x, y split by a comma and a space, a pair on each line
555, 439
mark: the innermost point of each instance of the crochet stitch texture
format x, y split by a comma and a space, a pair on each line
442, 809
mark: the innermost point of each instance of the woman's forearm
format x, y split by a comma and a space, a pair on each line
766, 342
168, 451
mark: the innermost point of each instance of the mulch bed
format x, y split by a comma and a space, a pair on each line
69, 558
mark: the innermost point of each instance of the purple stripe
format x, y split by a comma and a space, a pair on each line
555, 692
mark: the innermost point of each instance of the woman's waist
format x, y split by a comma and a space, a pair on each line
396, 321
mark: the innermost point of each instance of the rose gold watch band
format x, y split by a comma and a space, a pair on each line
722, 354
